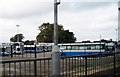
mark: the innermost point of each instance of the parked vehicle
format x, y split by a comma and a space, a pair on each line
75, 49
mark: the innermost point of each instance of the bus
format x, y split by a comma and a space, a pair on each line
17, 48
76, 49
37, 48
5, 49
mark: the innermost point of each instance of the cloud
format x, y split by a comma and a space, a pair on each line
28, 26
87, 20
14, 9
82, 6
91, 23
89, 0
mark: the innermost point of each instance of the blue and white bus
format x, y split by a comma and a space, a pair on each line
17, 48
42, 47
75, 49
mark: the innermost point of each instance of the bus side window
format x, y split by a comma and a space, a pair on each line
107, 49
113, 48
3, 49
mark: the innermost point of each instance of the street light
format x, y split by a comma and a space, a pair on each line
116, 34
55, 51
57, 2
100, 43
17, 32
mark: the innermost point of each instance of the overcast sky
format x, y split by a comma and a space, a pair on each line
87, 19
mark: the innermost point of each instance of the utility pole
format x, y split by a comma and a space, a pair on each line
18, 32
116, 34
118, 21
100, 43
55, 51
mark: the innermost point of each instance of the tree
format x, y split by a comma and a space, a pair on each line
47, 32
27, 42
17, 38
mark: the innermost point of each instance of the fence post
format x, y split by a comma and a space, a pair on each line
35, 68
85, 66
114, 66
22, 51
35, 52
11, 51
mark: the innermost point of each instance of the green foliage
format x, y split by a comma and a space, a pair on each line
27, 42
17, 38
47, 33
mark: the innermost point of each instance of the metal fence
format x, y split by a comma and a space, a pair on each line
99, 65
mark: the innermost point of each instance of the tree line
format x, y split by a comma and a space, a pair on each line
46, 35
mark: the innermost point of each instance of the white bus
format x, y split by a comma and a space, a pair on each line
75, 49
17, 48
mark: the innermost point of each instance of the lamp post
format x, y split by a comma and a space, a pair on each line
17, 32
55, 51
116, 34
118, 21
115, 47
100, 43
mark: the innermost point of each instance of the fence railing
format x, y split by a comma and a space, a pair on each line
97, 65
